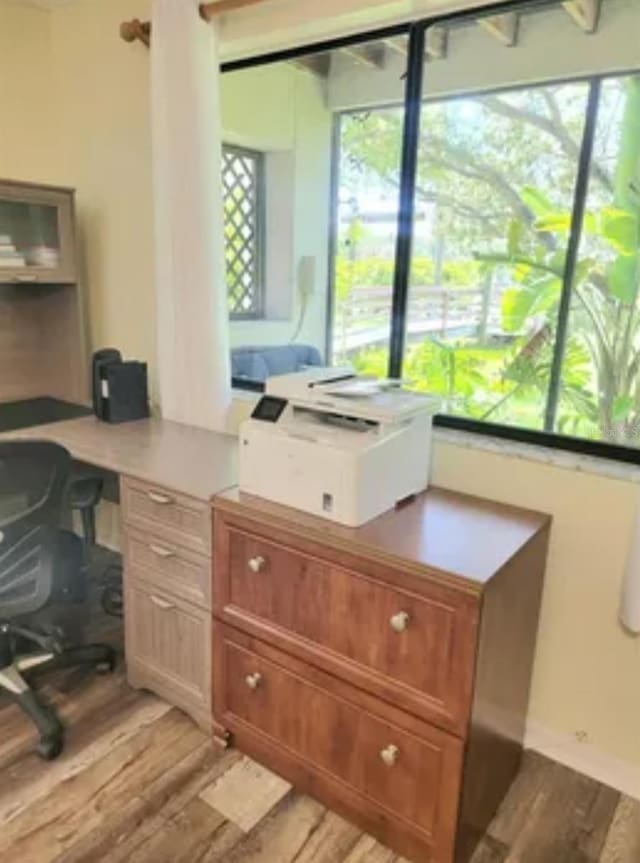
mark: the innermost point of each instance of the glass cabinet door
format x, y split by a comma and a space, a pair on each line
36, 234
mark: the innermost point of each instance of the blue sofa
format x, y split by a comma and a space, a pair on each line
256, 364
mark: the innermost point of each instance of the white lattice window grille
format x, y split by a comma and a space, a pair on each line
243, 184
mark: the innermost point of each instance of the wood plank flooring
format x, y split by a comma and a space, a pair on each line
139, 783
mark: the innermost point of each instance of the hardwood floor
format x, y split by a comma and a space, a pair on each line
139, 783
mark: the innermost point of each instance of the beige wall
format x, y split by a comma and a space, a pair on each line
27, 95
78, 101
587, 673
102, 89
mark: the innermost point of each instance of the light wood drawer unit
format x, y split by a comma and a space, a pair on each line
167, 597
171, 517
168, 566
416, 648
170, 640
390, 771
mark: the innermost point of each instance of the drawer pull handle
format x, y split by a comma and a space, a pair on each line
257, 564
400, 621
161, 603
162, 499
160, 551
389, 755
253, 680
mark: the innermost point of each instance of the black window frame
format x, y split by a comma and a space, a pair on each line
413, 100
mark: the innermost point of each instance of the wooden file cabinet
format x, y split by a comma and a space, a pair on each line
167, 595
383, 669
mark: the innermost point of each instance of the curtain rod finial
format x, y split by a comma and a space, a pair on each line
134, 30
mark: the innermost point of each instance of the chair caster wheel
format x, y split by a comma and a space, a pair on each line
105, 667
50, 747
108, 665
111, 600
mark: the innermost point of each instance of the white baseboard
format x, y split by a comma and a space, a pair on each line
585, 758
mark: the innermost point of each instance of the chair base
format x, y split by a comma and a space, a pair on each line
43, 717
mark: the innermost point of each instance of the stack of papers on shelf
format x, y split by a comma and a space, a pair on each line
9, 255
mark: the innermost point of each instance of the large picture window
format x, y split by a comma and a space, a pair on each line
484, 218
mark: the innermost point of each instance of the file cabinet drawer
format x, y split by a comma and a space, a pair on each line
363, 758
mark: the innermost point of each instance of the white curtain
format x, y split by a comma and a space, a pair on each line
630, 603
192, 318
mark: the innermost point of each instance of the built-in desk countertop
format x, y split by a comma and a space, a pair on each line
185, 459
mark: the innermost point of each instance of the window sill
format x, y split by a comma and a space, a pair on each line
238, 322
541, 454
245, 401
245, 396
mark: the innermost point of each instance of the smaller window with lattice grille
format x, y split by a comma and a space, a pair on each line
243, 189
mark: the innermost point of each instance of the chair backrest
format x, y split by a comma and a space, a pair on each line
33, 479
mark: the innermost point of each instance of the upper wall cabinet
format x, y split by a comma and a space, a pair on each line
36, 234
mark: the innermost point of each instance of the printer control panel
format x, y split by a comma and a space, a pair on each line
269, 409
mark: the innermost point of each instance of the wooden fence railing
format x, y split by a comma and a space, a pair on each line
363, 319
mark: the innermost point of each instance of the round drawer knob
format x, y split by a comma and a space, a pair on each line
389, 755
253, 680
257, 564
400, 621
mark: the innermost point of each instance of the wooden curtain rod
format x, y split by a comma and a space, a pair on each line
140, 31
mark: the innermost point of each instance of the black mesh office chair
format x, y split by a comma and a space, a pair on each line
85, 491
38, 562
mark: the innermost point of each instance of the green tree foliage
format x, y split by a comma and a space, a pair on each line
497, 175
604, 317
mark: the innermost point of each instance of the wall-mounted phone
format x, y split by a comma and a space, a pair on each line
306, 276
306, 283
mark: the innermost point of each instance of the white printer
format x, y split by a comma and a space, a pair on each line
336, 445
